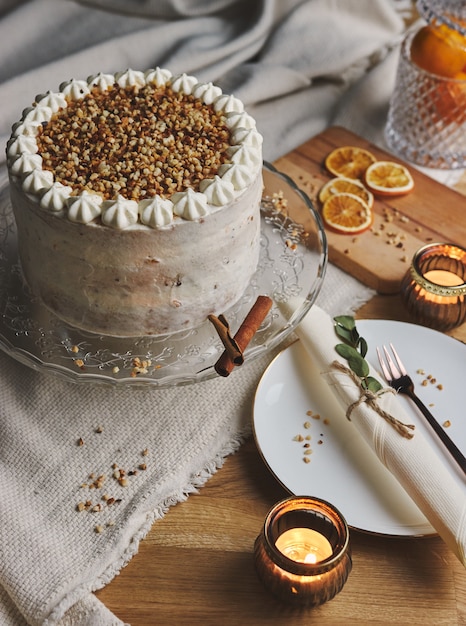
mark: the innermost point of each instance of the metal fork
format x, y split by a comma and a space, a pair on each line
398, 378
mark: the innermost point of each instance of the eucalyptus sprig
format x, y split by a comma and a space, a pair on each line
354, 349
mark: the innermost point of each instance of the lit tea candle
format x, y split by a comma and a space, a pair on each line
304, 545
303, 554
444, 278
434, 288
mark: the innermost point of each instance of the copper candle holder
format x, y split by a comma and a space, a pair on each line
434, 288
303, 553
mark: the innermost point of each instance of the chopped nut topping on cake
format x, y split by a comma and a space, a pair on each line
135, 142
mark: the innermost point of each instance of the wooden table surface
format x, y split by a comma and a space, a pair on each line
196, 564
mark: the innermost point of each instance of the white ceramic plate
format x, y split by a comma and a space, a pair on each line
343, 469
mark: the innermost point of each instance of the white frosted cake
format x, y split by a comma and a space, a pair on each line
137, 201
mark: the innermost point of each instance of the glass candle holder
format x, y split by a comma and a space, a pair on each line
434, 288
427, 115
303, 553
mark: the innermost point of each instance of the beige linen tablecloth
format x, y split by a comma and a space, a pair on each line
50, 554
291, 62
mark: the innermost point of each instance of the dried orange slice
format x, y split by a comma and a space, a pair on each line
347, 213
349, 161
345, 185
387, 178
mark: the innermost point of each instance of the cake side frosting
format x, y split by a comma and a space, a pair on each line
136, 282
147, 224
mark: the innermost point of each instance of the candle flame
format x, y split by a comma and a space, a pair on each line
310, 558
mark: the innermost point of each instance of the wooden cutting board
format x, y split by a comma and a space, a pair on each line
380, 256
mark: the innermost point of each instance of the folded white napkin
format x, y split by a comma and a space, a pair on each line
438, 492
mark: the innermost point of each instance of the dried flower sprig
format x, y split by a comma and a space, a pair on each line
353, 350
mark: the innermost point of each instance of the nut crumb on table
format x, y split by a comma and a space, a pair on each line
95, 482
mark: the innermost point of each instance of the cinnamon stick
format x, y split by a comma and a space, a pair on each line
223, 330
224, 366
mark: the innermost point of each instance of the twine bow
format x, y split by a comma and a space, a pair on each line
370, 398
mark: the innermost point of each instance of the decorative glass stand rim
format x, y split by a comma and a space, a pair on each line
290, 266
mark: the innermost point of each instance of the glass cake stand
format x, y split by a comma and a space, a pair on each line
293, 259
